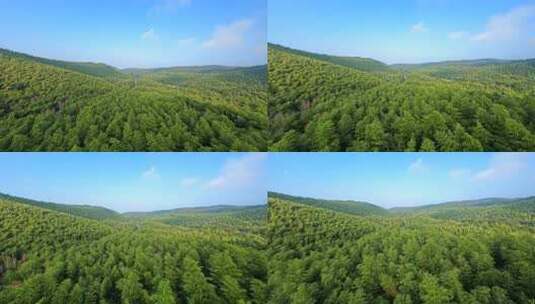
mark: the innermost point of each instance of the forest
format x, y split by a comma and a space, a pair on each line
295, 250
52, 253
328, 103
51, 105
426, 254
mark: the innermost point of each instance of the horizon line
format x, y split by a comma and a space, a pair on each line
97, 205
412, 206
130, 68
399, 63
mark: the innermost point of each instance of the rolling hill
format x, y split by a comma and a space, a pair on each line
358, 63
349, 207
241, 218
49, 105
316, 104
517, 211
88, 68
91, 212
320, 256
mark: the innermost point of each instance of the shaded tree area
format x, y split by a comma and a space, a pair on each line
315, 105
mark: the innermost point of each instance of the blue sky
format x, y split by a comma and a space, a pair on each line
406, 31
403, 179
138, 33
136, 181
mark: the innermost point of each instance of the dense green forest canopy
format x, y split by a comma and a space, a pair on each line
317, 103
49, 105
48, 256
318, 255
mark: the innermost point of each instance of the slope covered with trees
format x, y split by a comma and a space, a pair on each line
52, 257
50, 106
91, 212
320, 256
318, 105
350, 207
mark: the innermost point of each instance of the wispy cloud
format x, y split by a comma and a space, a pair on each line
240, 172
502, 166
458, 35
189, 182
418, 166
151, 173
186, 41
419, 28
149, 35
507, 26
459, 173
229, 36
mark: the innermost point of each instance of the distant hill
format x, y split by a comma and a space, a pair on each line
242, 218
91, 212
475, 62
350, 207
359, 63
255, 75
88, 68
479, 203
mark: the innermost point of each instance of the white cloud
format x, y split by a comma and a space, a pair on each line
189, 182
419, 28
507, 26
418, 166
186, 41
151, 173
237, 173
458, 35
149, 35
459, 173
502, 166
229, 36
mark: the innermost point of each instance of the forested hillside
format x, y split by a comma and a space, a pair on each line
321, 256
317, 104
52, 257
495, 210
91, 212
350, 207
59, 106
